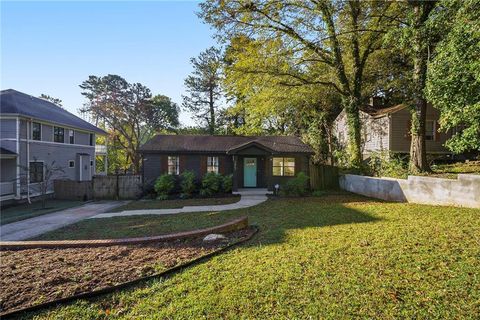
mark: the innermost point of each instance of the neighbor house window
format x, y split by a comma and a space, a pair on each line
71, 164
173, 165
283, 166
36, 131
71, 136
430, 130
36, 172
92, 139
58, 134
212, 164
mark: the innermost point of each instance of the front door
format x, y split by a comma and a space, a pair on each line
249, 172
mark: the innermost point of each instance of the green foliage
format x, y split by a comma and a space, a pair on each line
297, 186
164, 185
383, 164
319, 193
187, 183
453, 82
211, 184
227, 183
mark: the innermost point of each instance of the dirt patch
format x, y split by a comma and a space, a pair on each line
33, 276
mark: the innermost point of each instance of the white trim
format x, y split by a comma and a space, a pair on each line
18, 158
53, 134
73, 135
50, 142
31, 131
80, 167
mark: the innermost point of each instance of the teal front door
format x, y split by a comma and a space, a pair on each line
249, 172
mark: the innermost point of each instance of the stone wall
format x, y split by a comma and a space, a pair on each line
463, 191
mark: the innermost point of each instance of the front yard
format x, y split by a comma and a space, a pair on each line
337, 256
25, 211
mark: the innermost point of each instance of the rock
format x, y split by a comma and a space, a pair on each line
214, 237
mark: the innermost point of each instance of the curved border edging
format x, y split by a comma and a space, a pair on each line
165, 274
237, 224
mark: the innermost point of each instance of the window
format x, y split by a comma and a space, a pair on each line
212, 164
71, 164
173, 165
429, 130
71, 136
283, 167
36, 172
36, 131
92, 139
58, 134
91, 163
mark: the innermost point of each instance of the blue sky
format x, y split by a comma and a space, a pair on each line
51, 47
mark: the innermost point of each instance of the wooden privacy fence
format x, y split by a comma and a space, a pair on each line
101, 187
323, 177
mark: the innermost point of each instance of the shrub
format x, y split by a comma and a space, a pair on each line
319, 193
211, 184
164, 185
297, 186
227, 183
383, 164
187, 184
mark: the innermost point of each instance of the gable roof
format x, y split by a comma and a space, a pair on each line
15, 102
223, 144
377, 113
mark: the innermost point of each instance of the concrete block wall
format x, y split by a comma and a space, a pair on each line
463, 191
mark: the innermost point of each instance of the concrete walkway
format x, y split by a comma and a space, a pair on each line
249, 198
33, 227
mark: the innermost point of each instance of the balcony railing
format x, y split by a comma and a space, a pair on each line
100, 149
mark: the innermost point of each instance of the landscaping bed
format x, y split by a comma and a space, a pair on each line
24, 211
34, 276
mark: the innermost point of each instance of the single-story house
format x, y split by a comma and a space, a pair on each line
388, 129
254, 161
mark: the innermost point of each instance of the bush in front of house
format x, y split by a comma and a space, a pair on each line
297, 186
187, 184
384, 164
227, 183
164, 185
211, 184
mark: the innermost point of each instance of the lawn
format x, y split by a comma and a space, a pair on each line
451, 171
338, 256
173, 204
25, 211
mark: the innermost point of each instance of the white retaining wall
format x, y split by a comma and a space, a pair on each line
463, 191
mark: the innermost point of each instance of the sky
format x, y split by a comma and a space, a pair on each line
52, 47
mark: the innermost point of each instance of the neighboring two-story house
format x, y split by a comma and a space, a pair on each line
388, 129
36, 134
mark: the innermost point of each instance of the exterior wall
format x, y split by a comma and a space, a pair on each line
8, 128
463, 191
400, 138
301, 164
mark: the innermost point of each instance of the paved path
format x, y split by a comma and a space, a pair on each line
246, 200
33, 227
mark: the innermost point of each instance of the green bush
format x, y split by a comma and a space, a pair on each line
383, 164
211, 184
297, 186
164, 185
319, 193
187, 184
227, 183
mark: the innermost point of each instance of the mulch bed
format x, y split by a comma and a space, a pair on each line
33, 276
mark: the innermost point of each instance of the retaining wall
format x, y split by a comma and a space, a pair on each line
463, 191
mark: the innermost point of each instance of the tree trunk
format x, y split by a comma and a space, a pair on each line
212, 113
354, 135
418, 152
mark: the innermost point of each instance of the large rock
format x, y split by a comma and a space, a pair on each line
214, 237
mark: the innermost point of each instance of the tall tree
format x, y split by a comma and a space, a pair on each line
203, 88
337, 35
47, 97
129, 110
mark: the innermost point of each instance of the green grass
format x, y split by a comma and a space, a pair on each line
450, 171
177, 203
331, 257
25, 211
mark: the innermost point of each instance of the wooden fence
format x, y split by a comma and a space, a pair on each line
323, 177
101, 187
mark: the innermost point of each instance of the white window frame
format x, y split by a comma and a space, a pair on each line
53, 134
40, 131
173, 169
213, 164
71, 133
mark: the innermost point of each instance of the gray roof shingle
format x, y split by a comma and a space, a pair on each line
222, 144
15, 102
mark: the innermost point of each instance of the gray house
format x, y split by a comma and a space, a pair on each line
34, 134
388, 129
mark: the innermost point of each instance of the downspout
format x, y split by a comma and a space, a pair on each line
29, 123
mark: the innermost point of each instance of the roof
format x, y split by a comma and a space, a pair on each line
223, 144
15, 102
376, 113
6, 152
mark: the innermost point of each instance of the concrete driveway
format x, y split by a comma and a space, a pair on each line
36, 226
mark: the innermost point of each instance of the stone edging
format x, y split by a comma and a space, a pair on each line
233, 225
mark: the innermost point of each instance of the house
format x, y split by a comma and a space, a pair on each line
34, 133
254, 162
388, 129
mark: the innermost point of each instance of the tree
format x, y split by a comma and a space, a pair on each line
47, 97
337, 36
129, 111
453, 77
203, 87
